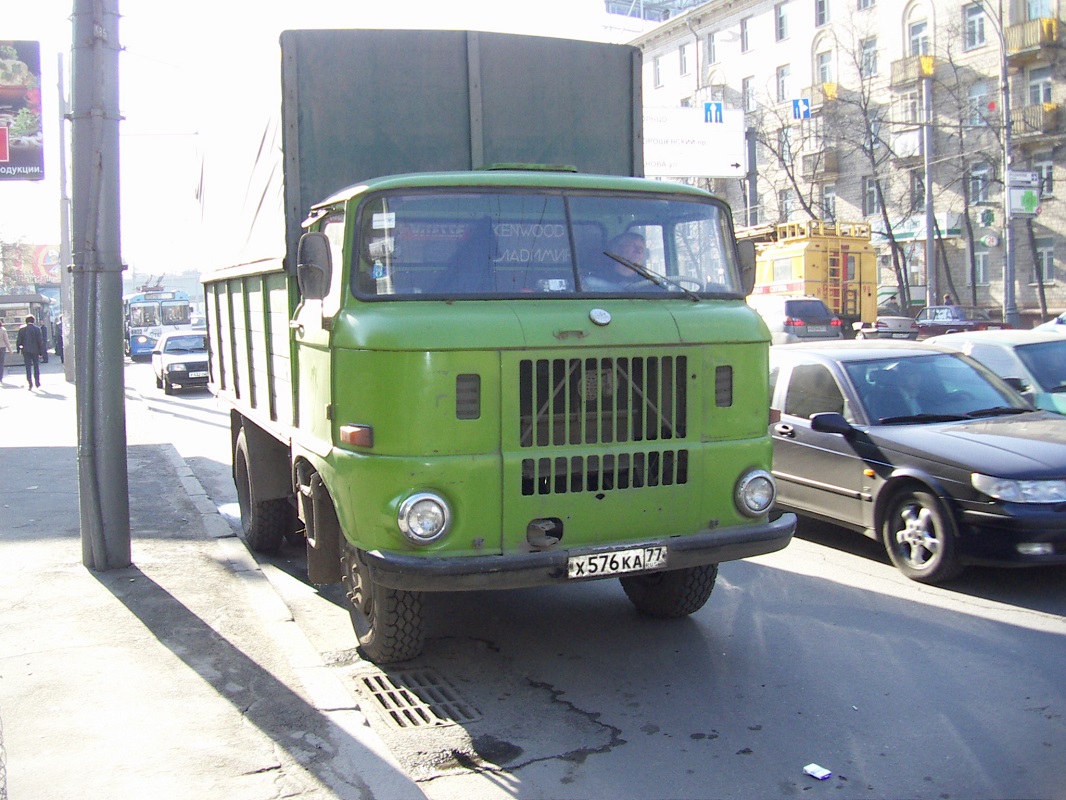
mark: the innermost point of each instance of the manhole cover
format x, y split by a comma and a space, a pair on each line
419, 698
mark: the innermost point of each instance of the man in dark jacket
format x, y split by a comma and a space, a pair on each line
30, 342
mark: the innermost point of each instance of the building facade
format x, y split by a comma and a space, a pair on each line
893, 113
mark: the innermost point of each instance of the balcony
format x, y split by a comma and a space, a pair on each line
821, 164
1035, 120
908, 145
1026, 40
910, 70
820, 93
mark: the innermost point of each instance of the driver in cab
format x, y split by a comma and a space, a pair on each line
613, 274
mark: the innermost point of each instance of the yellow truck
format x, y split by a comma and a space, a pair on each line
833, 261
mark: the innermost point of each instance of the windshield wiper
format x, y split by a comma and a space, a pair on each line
1060, 388
908, 418
659, 280
997, 411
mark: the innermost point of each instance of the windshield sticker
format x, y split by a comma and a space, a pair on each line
381, 221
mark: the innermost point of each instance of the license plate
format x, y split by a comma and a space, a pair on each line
616, 563
197, 374
900, 335
817, 329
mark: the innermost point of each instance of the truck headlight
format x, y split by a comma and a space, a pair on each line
1010, 491
423, 517
755, 493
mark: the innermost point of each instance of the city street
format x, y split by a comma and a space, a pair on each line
822, 653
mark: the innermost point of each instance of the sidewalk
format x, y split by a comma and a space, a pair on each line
181, 676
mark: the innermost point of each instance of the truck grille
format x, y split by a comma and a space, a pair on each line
581, 401
566, 475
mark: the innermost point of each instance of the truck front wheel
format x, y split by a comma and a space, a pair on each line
673, 593
388, 622
265, 522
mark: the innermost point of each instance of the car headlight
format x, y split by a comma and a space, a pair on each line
1011, 491
755, 493
423, 518
176, 368
142, 339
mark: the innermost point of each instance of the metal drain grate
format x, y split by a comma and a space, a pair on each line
419, 698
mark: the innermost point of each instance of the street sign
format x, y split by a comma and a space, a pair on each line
1023, 179
712, 112
801, 108
694, 142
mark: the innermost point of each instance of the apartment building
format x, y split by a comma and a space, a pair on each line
837, 95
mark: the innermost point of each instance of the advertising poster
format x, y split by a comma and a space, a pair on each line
21, 140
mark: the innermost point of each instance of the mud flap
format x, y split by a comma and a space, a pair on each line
323, 532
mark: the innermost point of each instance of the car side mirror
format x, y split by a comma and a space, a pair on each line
1017, 384
746, 256
314, 265
832, 422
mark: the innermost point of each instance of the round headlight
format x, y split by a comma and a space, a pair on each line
755, 493
423, 518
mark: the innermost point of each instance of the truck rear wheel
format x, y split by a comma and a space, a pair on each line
388, 622
265, 522
673, 593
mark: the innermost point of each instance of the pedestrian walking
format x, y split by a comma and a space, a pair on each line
30, 342
44, 338
5, 346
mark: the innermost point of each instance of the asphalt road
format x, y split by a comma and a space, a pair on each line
822, 653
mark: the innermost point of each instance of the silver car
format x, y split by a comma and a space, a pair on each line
796, 319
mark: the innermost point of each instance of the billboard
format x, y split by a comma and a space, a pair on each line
21, 139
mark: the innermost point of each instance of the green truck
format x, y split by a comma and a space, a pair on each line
468, 378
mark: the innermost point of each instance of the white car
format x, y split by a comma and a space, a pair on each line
180, 360
1057, 325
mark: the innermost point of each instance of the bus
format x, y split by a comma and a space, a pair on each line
148, 315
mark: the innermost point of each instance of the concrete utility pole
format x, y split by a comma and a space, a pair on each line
932, 296
103, 481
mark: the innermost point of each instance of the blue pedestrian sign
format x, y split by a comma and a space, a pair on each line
801, 109
712, 112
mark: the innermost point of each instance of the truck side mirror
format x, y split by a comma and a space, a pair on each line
314, 265
746, 254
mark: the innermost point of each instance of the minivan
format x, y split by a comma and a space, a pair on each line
796, 319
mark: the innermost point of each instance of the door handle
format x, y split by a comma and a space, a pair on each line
296, 325
784, 429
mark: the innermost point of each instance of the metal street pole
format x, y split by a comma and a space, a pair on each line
1010, 307
103, 480
932, 297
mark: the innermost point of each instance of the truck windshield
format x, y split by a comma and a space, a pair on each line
483, 243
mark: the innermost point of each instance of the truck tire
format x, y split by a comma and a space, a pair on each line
387, 622
673, 593
265, 522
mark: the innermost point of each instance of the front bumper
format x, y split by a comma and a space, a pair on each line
521, 570
993, 538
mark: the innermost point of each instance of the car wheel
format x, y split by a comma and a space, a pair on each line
919, 537
158, 382
168, 387
387, 622
264, 522
673, 593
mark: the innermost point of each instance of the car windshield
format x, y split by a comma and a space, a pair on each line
527, 245
928, 388
185, 344
807, 309
1046, 362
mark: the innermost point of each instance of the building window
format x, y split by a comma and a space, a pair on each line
1039, 86
1045, 259
747, 90
682, 59
978, 104
784, 143
868, 64
917, 191
781, 21
870, 203
874, 118
821, 12
1038, 9
910, 107
862, 5
783, 89
712, 51
745, 38
978, 182
657, 72
1043, 164
829, 201
974, 24
786, 204
823, 67
980, 266
918, 34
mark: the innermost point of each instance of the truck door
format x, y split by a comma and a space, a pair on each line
311, 326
